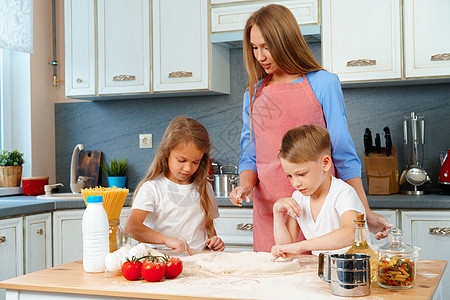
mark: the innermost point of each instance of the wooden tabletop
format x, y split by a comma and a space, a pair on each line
192, 284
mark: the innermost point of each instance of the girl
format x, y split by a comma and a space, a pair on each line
174, 205
287, 87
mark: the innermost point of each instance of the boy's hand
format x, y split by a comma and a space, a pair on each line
241, 193
178, 245
285, 251
215, 243
287, 204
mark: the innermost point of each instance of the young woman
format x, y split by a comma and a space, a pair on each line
174, 205
286, 88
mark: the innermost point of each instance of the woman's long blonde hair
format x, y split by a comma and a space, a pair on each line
284, 40
181, 131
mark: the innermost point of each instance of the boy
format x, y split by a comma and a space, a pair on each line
323, 206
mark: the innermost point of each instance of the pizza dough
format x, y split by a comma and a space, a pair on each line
244, 263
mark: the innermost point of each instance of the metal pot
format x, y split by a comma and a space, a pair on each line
224, 183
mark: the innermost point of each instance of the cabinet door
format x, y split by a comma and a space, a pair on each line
180, 45
67, 236
123, 46
392, 216
235, 228
361, 39
427, 38
11, 248
429, 231
38, 242
79, 19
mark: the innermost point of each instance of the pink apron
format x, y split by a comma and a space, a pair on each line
276, 109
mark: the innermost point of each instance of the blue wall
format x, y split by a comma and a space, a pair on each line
113, 126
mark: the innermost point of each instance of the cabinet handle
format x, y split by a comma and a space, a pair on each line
245, 227
441, 56
40, 231
79, 80
180, 74
124, 78
439, 230
361, 62
2, 239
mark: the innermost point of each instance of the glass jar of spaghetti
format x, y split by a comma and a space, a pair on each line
397, 262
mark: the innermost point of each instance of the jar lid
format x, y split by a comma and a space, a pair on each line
35, 178
395, 245
94, 199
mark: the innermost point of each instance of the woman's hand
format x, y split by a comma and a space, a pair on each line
287, 204
285, 251
377, 224
178, 245
241, 193
215, 243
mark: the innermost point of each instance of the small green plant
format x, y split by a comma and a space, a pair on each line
115, 168
13, 158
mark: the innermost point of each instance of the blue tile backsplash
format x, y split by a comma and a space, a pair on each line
113, 127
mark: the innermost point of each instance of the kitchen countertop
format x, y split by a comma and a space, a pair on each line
69, 281
27, 205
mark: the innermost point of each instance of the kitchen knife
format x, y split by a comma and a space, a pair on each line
378, 143
387, 137
367, 141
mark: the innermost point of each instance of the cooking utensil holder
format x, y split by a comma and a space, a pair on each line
382, 172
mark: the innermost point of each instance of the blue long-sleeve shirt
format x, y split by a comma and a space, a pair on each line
327, 88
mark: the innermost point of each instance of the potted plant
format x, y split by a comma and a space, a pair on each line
10, 168
116, 171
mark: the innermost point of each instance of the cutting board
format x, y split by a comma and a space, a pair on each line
89, 165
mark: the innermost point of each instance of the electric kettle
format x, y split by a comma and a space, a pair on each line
444, 174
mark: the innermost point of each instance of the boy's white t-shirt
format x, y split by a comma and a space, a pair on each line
341, 198
175, 210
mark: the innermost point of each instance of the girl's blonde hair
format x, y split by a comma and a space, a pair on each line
284, 40
305, 143
181, 131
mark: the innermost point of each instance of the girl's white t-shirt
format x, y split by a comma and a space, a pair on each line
175, 210
341, 198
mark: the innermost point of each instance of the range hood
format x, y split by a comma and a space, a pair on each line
233, 39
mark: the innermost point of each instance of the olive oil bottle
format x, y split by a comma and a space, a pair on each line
360, 245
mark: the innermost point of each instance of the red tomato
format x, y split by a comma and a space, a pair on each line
131, 270
174, 266
152, 271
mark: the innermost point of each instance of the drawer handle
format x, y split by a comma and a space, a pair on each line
40, 231
124, 78
2, 239
245, 227
361, 63
79, 80
439, 230
180, 74
441, 56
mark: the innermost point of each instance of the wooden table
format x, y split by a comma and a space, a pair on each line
69, 281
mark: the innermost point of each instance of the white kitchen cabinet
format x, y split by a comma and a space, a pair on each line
79, 30
234, 16
361, 39
123, 46
235, 228
67, 236
183, 58
38, 242
430, 231
11, 248
426, 38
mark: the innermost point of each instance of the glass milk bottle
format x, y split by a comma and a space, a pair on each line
361, 246
95, 228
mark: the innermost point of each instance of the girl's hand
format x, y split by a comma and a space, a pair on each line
178, 245
287, 204
215, 243
241, 193
285, 251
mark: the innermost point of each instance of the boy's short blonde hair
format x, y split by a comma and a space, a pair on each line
305, 143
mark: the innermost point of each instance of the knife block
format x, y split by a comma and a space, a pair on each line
382, 172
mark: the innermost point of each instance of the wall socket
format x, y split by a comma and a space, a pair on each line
146, 140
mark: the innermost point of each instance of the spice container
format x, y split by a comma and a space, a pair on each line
397, 262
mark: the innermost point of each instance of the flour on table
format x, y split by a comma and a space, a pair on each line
244, 263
